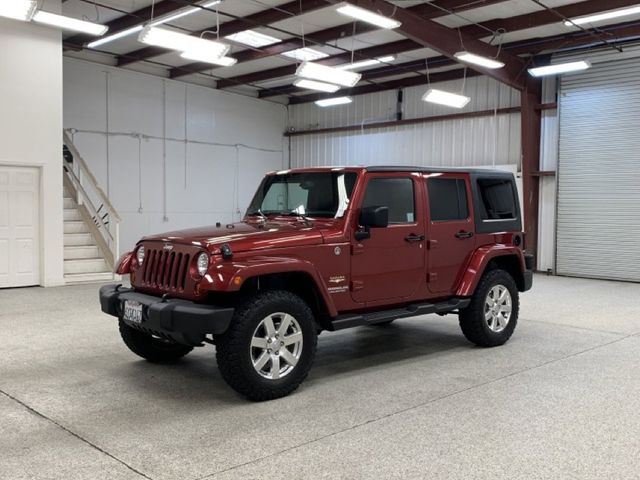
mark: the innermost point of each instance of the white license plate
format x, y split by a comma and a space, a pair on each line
133, 311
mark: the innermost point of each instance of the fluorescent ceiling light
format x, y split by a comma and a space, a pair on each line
161, 37
600, 17
479, 60
369, 17
182, 13
445, 98
313, 85
330, 102
367, 63
253, 38
68, 23
199, 57
305, 54
115, 36
315, 71
18, 9
560, 68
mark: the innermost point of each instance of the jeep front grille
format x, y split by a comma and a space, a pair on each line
165, 270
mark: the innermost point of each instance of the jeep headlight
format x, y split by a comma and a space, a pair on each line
203, 263
140, 255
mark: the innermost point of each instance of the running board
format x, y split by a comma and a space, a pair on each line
357, 320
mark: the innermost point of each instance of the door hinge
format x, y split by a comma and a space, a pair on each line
432, 277
431, 244
356, 285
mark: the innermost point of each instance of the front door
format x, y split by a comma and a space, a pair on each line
390, 264
450, 233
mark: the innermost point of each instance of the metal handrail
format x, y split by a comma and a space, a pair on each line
106, 226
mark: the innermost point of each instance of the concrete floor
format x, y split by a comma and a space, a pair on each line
413, 400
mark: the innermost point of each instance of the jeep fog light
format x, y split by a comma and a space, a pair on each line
203, 263
140, 255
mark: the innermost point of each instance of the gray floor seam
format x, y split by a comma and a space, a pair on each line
578, 328
414, 407
73, 434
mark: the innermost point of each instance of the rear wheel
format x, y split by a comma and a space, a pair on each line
154, 349
269, 347
492, 315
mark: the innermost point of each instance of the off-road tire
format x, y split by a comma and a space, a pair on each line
472, 318
233, 351
152, 349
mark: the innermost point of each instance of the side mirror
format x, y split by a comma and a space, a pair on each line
372, 217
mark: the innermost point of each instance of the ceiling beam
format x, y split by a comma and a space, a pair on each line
433, 10
263, 17
510, 24
630, 31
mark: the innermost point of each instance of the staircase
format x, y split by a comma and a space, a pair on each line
90, 232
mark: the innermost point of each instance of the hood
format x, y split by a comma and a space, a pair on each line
243, 236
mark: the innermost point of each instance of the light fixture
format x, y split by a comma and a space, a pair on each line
600, 17
305, 54
68, 23
18, 9
479, 60
253, 38
114, 36
367, 63
182, 13
313, 85
203, 57
323, 73
162, 37
369, 17
560, 68
445, 98
330, 102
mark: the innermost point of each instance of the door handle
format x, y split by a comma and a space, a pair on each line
463, 234
414, 238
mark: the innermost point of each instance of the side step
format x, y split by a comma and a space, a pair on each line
357, 320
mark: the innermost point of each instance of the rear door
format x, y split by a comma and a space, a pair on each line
390, 264
450, 232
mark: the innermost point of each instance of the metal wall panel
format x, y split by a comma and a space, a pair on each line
599, 171
463, 142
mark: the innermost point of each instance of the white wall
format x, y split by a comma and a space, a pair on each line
31, 125
156, 180
463, 142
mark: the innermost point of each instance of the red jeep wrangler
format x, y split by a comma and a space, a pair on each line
327, 249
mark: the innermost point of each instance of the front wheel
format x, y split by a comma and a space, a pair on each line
492, 315
269, 347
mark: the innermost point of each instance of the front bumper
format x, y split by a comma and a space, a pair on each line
182, 320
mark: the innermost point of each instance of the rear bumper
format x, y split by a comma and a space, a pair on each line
183, 320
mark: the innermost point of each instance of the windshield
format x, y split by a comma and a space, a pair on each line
310, 194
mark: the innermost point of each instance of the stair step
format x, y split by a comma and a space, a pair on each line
83, 251
71, 214
75, 226
73, 278
69, 203
78, 239
86, 265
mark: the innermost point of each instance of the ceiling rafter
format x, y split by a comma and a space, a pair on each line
509, 24
630, 31
427, 11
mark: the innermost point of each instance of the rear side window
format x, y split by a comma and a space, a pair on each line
498, 198
447, 199
395, 193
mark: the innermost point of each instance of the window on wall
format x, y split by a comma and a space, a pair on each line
498, 199
394, 193
447, 199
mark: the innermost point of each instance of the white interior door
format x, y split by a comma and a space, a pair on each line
19, 221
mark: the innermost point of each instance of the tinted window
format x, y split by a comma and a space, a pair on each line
395, 193
498, 199
447, 199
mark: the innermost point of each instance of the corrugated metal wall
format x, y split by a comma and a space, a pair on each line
599, 171
463, 142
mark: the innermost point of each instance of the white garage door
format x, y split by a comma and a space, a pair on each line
19, 219
599, 173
